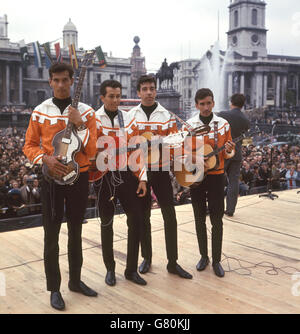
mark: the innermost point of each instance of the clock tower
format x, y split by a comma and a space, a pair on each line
247, 33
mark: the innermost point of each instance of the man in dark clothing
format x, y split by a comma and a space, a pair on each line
239, 124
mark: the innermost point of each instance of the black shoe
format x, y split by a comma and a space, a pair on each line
56, 300
135, 278
177, 270
229, 214
110, 278
83, 288
219, 271
145, 266
202, 264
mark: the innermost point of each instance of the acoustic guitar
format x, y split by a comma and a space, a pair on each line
67, 143
189, 174
149, 146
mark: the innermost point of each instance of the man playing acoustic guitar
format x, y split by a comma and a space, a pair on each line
118, 127
212, 187
153, 118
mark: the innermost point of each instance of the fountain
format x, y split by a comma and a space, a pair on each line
211, 73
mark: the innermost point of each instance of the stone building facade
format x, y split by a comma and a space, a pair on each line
267, 80
27, 86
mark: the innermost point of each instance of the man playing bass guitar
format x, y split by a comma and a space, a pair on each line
47, 120
212, 187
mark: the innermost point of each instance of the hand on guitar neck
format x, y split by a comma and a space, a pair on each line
74, 117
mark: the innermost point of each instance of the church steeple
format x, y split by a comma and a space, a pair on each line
247, 33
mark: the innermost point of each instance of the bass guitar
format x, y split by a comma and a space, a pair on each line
67, 143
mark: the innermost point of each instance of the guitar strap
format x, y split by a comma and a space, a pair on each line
216, 144
121, 121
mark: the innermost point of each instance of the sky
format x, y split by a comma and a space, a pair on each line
169, 29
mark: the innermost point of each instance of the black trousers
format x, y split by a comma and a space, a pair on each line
161, 184
126, 193
55, 198
212, 190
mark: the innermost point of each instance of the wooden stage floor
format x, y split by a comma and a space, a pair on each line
261, 258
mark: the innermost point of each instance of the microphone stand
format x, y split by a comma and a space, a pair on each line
270, 178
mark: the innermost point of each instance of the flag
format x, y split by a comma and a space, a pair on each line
48, 58
101, 57
58, 53
24, 56
37, 54
73, 57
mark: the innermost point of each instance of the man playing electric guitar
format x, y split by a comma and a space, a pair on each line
212, 187
118, 182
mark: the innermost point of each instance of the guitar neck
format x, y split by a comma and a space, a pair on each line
75, 101
78, 90
220, 149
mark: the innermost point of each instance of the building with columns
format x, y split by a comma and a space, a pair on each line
27, 86
265, 79
245, 67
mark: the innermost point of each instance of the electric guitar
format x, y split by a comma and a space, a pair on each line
189, 175
67, 143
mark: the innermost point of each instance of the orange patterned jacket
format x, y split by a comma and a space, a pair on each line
104, 128
161, 122
46, 121
224, 135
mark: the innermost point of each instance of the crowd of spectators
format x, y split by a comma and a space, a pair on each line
13, 110
258, 172
266, 116
20, 181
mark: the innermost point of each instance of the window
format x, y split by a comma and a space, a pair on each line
270, 81
24, 70
98, 78
26, 97
254, 17
112, 77
40, 73
236, 18
41, 96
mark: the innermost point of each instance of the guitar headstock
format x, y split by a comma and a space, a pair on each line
88, 58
